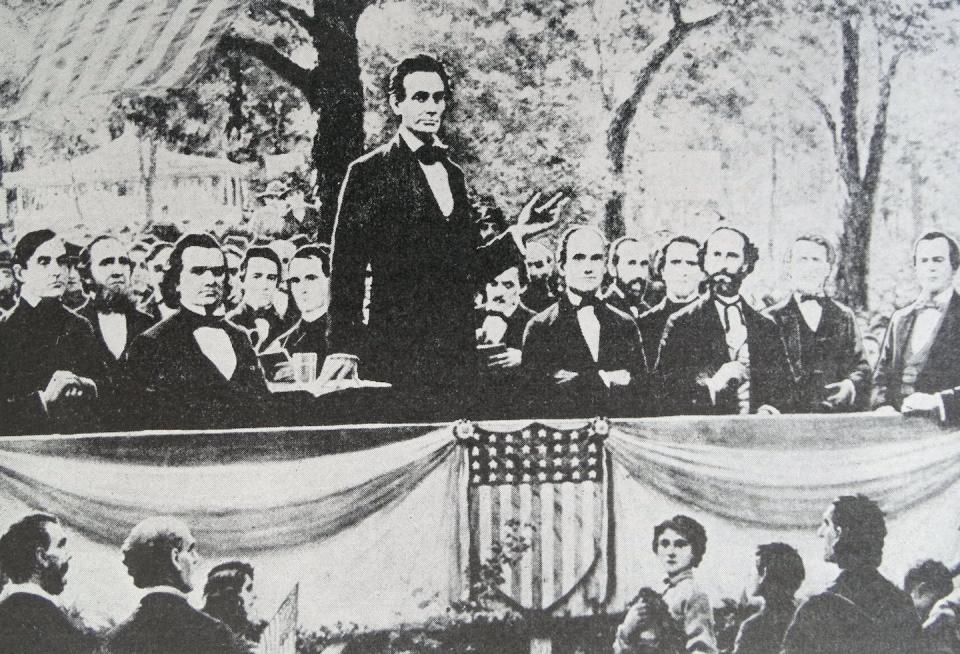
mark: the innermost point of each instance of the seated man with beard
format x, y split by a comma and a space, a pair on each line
629, 264
540, 271
196, 368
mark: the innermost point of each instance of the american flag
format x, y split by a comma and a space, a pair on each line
541, 493
88, 48
280, 635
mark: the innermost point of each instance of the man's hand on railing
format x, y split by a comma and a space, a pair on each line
920, 403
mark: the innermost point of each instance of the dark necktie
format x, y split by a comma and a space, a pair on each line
195, 321
730, 309
811, 297
430, 154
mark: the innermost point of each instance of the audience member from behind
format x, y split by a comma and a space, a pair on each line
580, 355
920, 357
260, 276
779, 574
35, 555
861, 612
821, 336
161, 557
39, 337
540, 273
309, 282
927, 583
229, 597
196, 368
649, 628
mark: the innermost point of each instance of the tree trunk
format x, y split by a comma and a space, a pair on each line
619, 129
853, 262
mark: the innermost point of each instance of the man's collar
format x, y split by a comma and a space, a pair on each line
201, 311
30, 588
414, 142
165, 590
31, 300
940, 298
314, 316
575, 299
728, 301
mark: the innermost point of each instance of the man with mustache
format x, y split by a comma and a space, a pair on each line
629, 265
196, 368
105, 269
719, 355
35, 555
505, 317
540, 271
39, 336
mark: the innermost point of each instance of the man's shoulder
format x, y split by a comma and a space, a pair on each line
691, 313
779, 309
379, 156
545, 318
619, 317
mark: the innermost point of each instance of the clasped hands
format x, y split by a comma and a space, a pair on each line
610, 378
66, 387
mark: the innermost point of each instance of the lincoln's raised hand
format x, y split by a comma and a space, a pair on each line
535, 218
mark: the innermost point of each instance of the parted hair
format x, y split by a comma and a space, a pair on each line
419, 63
171, 278
690, 529
315, 251
29, 243
19, 544
660, 258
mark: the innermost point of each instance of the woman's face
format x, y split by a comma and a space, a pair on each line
675, 552
249, 597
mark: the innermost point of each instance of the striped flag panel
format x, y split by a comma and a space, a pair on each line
280, 634
88, 48
539, 496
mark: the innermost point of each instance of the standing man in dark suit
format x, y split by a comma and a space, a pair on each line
196, 368
260, 276
719, 355
678, 267
629, 267
920, 356
821, 337
39, 336
861, 612
404, 213
161, 556
35, 555
581, 355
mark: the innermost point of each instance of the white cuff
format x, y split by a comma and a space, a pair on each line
941, 407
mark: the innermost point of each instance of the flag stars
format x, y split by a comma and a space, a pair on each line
509, 464
592, 448
476, 465
558, 448
542, 476
574, 447
492, 477
557, 476
494, 464
576, 475
526, 434
592, 461
492, 438
508, 450
542, 449
508, 438
525, 449
558, 462
574, 462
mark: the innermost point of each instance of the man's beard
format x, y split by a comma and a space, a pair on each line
53, 579
73, 299
633, 287
108, 299
726, 284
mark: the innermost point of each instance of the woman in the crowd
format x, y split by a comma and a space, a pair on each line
229, 597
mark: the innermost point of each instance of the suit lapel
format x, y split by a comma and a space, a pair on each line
945, 333
195, 356
791, 330
901, 340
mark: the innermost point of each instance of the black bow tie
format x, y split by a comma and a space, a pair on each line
493, 313
430, 154
589, 301
263, 312
811, 297
196, 321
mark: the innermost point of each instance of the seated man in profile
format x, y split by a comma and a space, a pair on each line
581, 355
195, 367
161, 556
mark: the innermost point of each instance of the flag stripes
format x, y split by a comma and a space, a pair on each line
103, 47
280, 634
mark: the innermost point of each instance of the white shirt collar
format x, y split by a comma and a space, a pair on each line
728, 301
200, 311
30, 588
940, 298
575, 299
32, 300
414, 142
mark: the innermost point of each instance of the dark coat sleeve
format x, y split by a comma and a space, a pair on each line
356, 215
678, 374
884, 369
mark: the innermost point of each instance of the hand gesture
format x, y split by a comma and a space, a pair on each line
843, 394
534, 218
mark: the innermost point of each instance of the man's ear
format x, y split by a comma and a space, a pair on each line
394, 105
40, 556
18, 272
175, 558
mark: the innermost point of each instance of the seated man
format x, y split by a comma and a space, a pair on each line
581, 355
40, 336
779, 575
157, 262
260, 276
505, 317
196, 367
538, 262
920, 357
309, 280
35, 555
821, 336
161, 556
